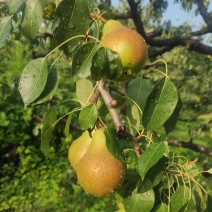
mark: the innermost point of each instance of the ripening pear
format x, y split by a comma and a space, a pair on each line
99, 172
78, 148
129, 44
109, 26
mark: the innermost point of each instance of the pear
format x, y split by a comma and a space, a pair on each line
130, 46
78, 148
109, 26
98, 172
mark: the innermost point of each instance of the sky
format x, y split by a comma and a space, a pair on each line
175, 13
177, 16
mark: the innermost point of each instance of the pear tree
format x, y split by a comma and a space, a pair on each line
126, 104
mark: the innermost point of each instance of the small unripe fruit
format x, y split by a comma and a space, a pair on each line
78, 148
130, 46
98, 172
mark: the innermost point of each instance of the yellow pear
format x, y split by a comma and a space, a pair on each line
78, 148
130, 46
109, 26
98, 172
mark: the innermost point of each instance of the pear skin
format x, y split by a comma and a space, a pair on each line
131, 48
98, 172
111, 25
78, 148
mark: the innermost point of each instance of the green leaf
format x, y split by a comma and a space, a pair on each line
129, 184
32, 18
87, 117
5, 28
50, 87
84, 88
161, 208
138, 90
14, 6
170, 124
82, 60
33, 80
140, 202
160, 104
194, 204
133, 118
112, 143
209, 204
153, 176
67, 127
150, 157
209, 171
74, 20
46, 131
181, 196
106, 63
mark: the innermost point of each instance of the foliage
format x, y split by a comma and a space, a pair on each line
149, 105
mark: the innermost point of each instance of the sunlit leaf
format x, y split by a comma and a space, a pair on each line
181, 196
133, 117
160, 104
50, 87
32, 18
5, 28
46, 131
33, 80
74, 20
82, 60
162, 207
150, 157
138, 90
170, 124
14, 6
140, 202
87, 117
84, 88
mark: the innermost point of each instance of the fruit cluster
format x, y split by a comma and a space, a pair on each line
98, 172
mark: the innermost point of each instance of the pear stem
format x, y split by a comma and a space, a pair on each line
120, 128
97, 16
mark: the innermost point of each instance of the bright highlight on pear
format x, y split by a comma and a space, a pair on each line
78, 148
129, 44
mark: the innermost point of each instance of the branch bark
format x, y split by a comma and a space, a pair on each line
165, 45
204, 13
192, 146
120, 128
108, 99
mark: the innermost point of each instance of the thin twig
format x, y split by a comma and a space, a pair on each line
120, 128
113, 112
191, 146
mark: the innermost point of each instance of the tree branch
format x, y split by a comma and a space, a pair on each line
108, 99
120, 128
123, 15
204, 13
192, 146
168, 44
